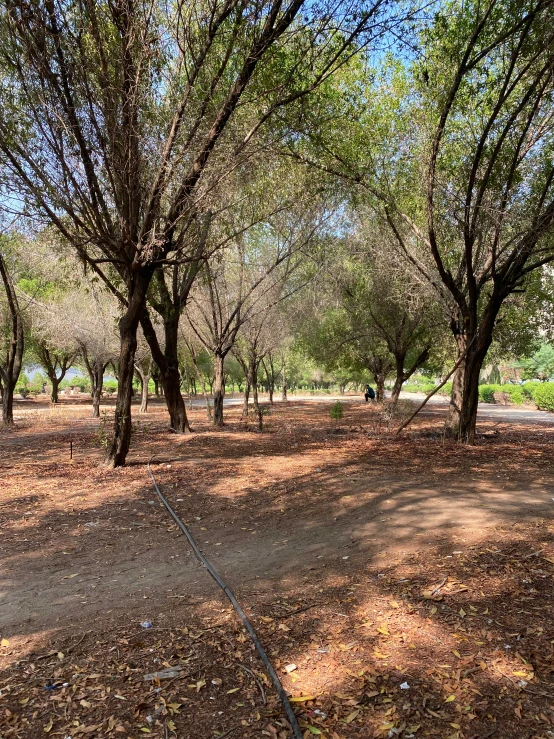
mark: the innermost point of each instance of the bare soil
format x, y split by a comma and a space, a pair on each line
408, 579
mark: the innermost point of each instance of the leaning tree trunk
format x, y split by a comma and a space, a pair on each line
128, 325
218, 389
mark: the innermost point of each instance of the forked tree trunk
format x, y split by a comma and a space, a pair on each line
218, 389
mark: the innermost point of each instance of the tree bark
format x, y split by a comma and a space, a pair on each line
456, 396
284, 382
218, 389
254, 376
55, 386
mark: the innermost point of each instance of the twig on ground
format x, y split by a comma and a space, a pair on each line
436, 590
256, 680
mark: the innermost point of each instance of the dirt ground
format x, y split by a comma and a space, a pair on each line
406, 582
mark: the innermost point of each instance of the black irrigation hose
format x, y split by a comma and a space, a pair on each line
229, 593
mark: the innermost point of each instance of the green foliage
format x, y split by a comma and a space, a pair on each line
528, 389
515, 392
544, 396
109, 386
336, 411
540, 365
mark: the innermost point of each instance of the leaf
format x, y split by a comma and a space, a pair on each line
5, 643
383, 630
456, 653
302, 698
379, 655
433, 610
450, 699
462, 612
314, 730
233, 690
171, 726
395, 604
199, 685
85, 704
145, 730
351, 717
48, 728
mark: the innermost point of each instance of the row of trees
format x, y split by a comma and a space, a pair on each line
208, 163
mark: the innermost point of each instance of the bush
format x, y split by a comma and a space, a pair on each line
486, 393
528, 389
109, 386
544, 396
336, 411
515, 392
446, 389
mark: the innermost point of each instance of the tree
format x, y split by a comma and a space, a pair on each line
541, 365
12, 336
253, 272
116, 123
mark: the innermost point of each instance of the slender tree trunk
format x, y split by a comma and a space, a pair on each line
254, 376
218, 389
284, 382
247, 385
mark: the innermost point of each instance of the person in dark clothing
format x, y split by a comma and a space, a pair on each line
369, 393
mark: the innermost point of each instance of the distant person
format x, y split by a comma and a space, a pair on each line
369, 393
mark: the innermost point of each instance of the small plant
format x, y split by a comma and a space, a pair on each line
103, 431
336, 412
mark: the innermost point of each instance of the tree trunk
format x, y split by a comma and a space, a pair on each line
284, 383
254, 376
380, 385
128, 325
168, 366
218, 389
398, 379
456, 396
55, 386
7, 403
246, 398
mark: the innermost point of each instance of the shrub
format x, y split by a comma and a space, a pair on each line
336, 411
446, 389
110, 386
528, 389
486, 393
515, 392
544, 396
